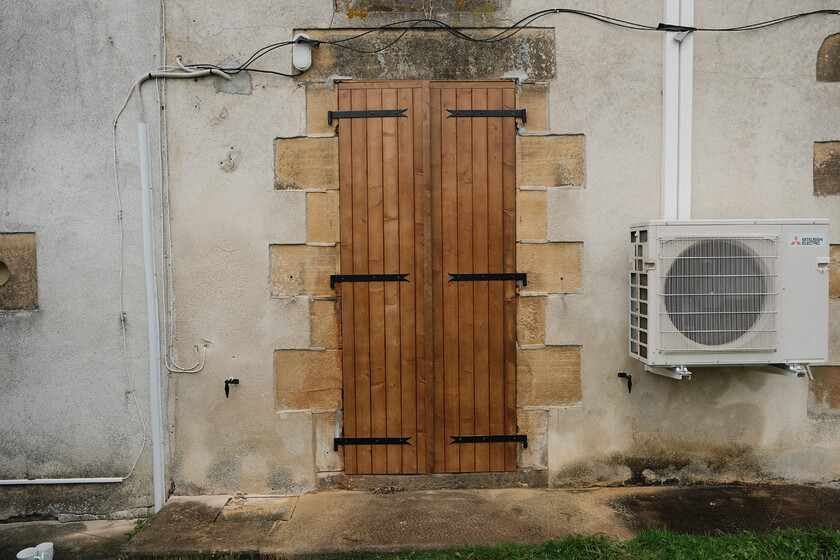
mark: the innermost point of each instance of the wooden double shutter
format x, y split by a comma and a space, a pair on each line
427, 196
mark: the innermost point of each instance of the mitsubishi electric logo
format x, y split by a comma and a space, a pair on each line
810, 240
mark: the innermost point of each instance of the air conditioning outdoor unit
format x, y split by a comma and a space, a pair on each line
733, 292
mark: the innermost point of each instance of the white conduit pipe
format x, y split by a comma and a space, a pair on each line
677, 84
670, 112
686, 79
26, 481
156, 417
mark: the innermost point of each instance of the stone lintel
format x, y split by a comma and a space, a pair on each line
433, 54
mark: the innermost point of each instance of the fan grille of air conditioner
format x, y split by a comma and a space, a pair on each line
718, 293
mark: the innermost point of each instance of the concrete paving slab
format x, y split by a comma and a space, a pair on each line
219, 500
352, 521
256, 508
83, 540
341, 521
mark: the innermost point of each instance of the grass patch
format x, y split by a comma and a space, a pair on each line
138, 524
781, 544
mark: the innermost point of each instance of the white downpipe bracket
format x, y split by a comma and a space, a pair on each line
156, 417
677, 85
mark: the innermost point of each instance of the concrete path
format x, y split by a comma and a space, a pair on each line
341, 521
313, 525
324, 523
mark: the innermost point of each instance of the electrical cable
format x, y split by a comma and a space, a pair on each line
166, 241
768, 23
199, 364
523, 23
428, 23
122, 315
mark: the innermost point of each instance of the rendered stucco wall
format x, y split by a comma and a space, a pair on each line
240, 234
65, 406
758, 110
224, 223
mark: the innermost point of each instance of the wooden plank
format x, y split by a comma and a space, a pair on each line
424, 306
378, 402
495, 289
481, 289
509, 201
464, 240
345, 185
391, 265
361, 298
435, 168
449, 253
404, 165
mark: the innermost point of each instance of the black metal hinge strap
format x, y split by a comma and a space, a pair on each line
338, 278
523, 439
332, 115
370, 441
518, 276
518, 113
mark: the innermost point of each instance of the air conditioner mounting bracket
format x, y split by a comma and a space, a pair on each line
676, 372
788, 370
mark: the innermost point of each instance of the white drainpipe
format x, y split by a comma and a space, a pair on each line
156, 416
677, 85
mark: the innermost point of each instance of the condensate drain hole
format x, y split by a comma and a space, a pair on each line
4, 273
